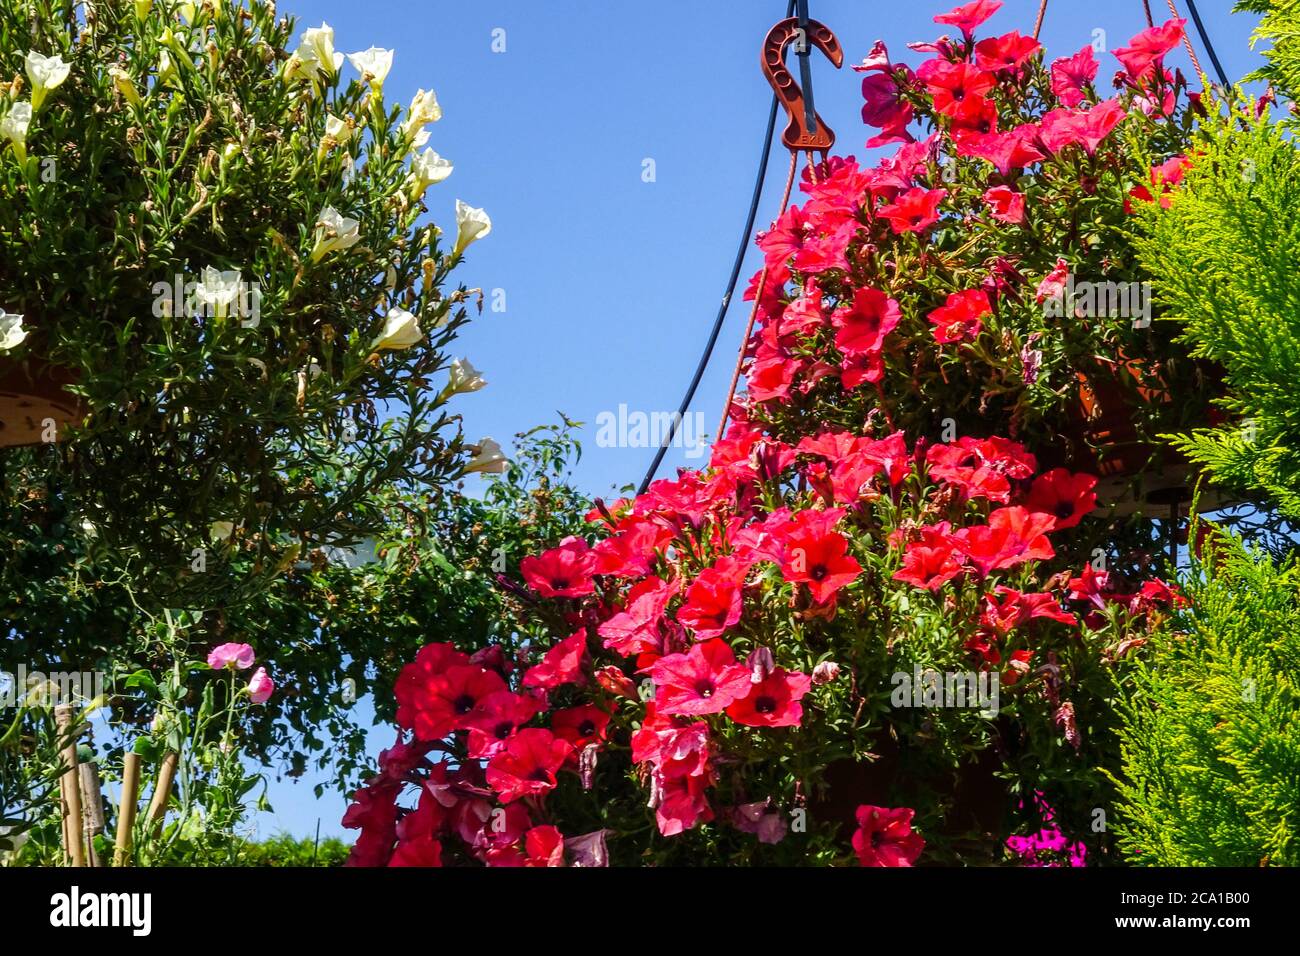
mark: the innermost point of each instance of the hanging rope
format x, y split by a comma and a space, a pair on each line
753, 312
1187, 42
726, 298
1146, 7
1042, 12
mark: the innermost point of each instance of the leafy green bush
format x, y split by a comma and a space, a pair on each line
1222, 257
1211, 736
221, 241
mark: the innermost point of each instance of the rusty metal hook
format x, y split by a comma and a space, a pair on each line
806, 130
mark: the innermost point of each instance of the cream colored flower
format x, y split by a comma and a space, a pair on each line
46, 73
337, 133
424, 110
12, 332
427, 169
334, 232
471, 225
167, 74
401, 331
488, 459
219, 290
14, 128
124, 84
315, 57
142, 8
464, 377
373, 65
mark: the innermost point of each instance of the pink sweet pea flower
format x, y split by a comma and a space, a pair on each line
260, 687
237, 657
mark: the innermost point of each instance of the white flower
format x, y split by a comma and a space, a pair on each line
319, 41
419, 141
337, 133
12, 332
373, 65
221, 530
46, 73
219, 289
166, 69
464, 377
334, 232
488, 459
424, 110
125, 85
428, 169
471, 225
15, 125
401, 331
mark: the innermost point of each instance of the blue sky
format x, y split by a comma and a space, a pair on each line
610, 282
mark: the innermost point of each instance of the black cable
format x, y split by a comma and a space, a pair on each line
726, 298
1209, 47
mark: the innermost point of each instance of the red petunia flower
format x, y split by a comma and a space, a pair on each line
821, 561
1007, 609
915, 211
1064, 127
495, 721
635, 630
430, 661
681, 803
773, 701
862, 326
714, 599
705, 680
1067, 498
968, 16
580, 726
1006, 204
563, 571
1164, 178
958, 319
1006, 53
930, 567
420, 851
562, 664
451, 701
677, 746
544, 846
1012, 536
1014, 149
1054, 283
884, 837
1148, 48
528, 764
956, 85
1071, 73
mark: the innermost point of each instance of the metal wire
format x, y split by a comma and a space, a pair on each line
726, 298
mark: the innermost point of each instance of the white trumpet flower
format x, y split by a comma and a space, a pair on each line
46, 73
373, 65
401, 331
12, 332
488, 459
471, 225
464, 378
334, 232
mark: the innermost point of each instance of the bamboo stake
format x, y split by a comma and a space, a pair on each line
163, 791
70, 786
92, 805
126, 812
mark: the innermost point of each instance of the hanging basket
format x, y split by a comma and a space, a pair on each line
35, 406
1136, 475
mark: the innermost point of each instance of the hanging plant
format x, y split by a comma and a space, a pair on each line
982, 278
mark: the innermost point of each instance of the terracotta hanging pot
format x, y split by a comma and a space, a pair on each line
35, 406
1135, 474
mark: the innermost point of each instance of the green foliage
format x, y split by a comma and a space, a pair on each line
1279, 26
1211, 736
1223, 257
187, 138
